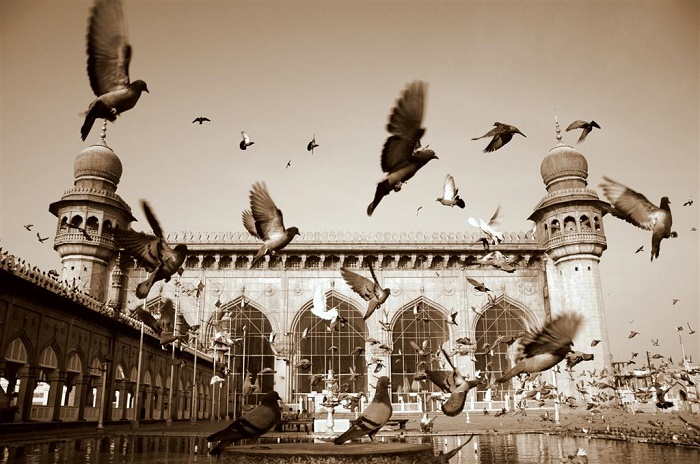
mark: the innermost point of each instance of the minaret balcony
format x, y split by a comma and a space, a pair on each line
567, 244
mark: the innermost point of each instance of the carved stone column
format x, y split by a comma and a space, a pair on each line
56, 381
29, 376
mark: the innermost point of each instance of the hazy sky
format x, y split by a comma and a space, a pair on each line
283, 71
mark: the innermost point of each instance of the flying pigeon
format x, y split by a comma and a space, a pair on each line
689, 202
586, 126
28, 226
200, 120
674, 301
575, 357
215, 379
494, 236
632, 334
501, 134
690, 328
641, 248
251, 425
455, 384
245, 143
595, 342
369, 290
653, 342
478, 285
544, 348
449, 194
422, 349
444, 457
373, 418
152, 252
418, 210
402, 156
634, 208
319, 307
109, 54
264, 221
311, 145
303, 364
497, 259
453, 318
81, 229
41, 239
165, 326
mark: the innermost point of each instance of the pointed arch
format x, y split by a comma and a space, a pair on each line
49, 358
17, 351
75, 362
327, 347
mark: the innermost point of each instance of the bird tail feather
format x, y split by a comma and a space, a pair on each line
144, 287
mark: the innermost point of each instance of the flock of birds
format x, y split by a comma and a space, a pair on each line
402, 156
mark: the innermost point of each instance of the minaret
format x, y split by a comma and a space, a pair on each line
570, 229
86, 214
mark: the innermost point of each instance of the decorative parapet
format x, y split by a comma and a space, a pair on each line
96, 240
571, 194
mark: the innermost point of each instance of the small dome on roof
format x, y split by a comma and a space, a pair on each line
98, 161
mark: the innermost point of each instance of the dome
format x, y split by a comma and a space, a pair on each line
564, 164
98, 161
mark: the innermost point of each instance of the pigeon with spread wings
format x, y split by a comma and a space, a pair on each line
402, 156
449, 194
494, 236
109, 54
585, 125
152, 252
634, 208
455, 384
501, 133
370, 290
245, 141
265, 222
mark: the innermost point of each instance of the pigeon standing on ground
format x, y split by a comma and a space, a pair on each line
586, 126
455, 384
109, 54
251, 425
501, 134
245, 143
152, 252
545, 348
402, 156
370, 290
634, 208
449, 194
494, 236
375, 415
311, 145
201, 119
264, 221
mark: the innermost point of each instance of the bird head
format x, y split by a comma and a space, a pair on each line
140, 86
181, 248
293, 231
425, 155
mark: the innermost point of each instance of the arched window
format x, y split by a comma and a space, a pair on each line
77, 220
585, 224
92, 224
404, 262
569, 224
388, 262
293, 262
555, 227
241, 262
192, 262
596, 223
351, 261
331, 262
208, 262
423, 324
437, 263
329, 348
225, 262
313, 262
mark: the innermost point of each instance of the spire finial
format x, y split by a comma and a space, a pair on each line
556, 126
103, 133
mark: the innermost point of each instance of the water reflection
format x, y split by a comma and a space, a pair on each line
483, 449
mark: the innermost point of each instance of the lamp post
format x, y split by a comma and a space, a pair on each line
137, 405
101, 412
169, 419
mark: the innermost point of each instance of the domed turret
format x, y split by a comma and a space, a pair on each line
99, 167
564, 168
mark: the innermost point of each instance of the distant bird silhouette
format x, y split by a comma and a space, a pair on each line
453, 318
632, 334
543, 349
501, 134
478, 285
634, 208
311, 145
373, 418
152, 252
595, 342
251, 425
81, 229
423, 349
444, 457
690, 328
586, 126
402, 156
674, 301
418, 210
449, 194
452, 382
303, 364
41, 239
28, 226
109, 55
654, 342
689, 202
289, 163
264, 221
369, 290
245, 143
200, 120
494, 236
641, 248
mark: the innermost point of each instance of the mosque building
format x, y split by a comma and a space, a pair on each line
242, 331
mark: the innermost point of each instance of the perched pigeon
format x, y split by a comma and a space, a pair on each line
586, 126
311, 145
251, 425
370, 290
634, 208
449, 194
245, 143
495, 237
455, 384
200, 120
152, 252
402, 156
501, 134
264, 221
373, 418
545, 348
109, 55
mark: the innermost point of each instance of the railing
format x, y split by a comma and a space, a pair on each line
68, 413
41, 413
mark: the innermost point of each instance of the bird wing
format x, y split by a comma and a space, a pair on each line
443, 379
474, 282
629, 205
405, 126
108, 50
555, 336
139, 245
496, 218
249, 223
167, 316
319, 306
578, 124
147, 318
449, 189
268, 218
246, 139
254, 423
152, 220
359, 284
